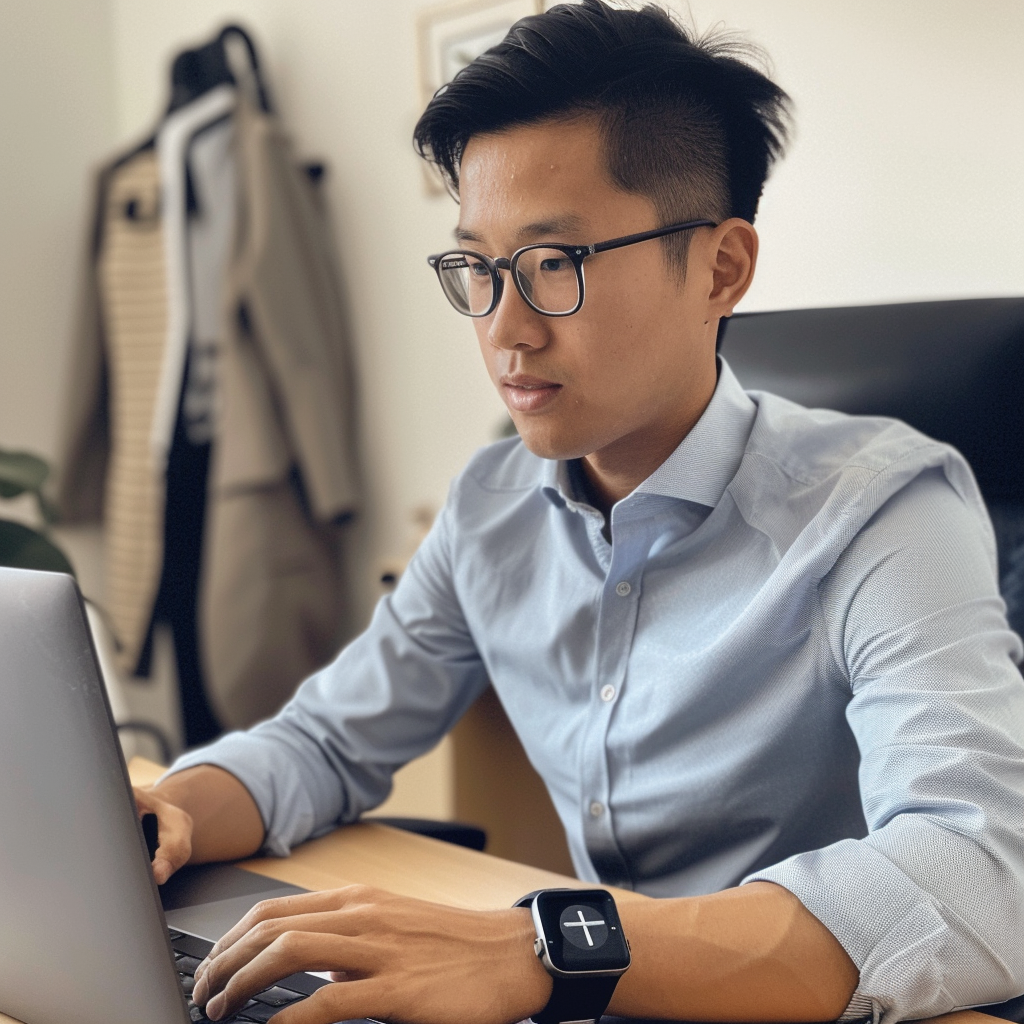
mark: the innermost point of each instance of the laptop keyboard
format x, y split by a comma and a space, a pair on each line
189, 953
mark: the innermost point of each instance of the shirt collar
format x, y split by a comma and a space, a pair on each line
703, 464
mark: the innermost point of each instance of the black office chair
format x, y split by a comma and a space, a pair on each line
457, 832
954, 370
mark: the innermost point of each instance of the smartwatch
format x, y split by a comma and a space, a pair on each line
581, 945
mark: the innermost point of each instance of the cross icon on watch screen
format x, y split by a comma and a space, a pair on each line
583, 927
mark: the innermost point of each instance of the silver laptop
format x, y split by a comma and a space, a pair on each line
83, 935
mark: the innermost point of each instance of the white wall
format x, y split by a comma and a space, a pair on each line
905, 181
56, 117
906, 177
57, 112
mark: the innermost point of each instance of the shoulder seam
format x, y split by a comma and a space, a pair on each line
927, 442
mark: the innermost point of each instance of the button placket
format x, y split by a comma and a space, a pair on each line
616, 627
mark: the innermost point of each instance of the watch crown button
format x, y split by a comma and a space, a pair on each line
538, 946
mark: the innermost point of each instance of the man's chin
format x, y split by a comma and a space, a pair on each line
545, 445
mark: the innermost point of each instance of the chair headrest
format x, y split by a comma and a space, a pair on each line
954, 370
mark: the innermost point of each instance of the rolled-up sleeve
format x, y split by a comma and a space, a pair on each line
930, 904
330, 754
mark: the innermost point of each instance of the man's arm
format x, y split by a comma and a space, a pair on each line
751, 954
929, 903
203, 814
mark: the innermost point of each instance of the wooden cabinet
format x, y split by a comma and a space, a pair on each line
497, 788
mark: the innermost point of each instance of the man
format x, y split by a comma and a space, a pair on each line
756, 652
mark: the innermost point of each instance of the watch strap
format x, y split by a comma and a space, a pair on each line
576, 999
527, 900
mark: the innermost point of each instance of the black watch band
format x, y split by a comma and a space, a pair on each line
576, 999
573, 999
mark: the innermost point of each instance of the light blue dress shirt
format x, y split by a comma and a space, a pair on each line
791, 664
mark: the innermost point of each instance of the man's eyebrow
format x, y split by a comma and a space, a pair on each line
539, 229
555, 226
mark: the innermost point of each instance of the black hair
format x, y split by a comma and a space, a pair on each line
688, 121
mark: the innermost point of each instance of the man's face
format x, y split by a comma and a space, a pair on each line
634, 367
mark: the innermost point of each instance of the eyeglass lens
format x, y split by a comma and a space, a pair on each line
546, 277
467, 282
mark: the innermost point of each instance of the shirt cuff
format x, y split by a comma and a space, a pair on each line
860, 1007
272, 780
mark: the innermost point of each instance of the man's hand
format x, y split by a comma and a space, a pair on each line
174, 832
203, 814
393, 957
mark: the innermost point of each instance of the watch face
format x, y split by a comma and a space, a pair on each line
582, 930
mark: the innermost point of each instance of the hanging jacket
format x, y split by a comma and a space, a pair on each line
282, 471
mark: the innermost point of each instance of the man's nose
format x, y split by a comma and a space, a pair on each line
513, 323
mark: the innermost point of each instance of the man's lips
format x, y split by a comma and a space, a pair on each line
525, 393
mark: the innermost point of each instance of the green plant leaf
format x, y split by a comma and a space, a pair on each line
20, 472
24, 548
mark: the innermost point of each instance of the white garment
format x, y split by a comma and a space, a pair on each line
172, 143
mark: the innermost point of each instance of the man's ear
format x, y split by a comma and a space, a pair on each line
733, 252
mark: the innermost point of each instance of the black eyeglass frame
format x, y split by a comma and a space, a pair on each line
576, 254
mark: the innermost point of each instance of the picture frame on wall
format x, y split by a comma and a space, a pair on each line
451, 35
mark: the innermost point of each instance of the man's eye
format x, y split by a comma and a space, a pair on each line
478, 269
553, 264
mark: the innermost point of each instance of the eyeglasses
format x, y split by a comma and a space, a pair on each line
548, 276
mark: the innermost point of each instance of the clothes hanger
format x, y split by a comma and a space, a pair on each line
202, 69
197, 71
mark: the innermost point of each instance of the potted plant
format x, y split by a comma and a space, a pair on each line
22, 547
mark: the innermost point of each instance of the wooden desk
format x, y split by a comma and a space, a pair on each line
417, 866
399, 862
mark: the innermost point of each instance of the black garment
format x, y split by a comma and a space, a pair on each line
1008, 522
1013, 1009
176, 600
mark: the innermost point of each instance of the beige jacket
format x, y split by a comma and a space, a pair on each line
282, 470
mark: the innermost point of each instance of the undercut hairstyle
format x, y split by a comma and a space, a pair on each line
688, 122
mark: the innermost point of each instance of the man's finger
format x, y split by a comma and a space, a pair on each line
281, 907
163, 869
219, 970
289, 953
174, 833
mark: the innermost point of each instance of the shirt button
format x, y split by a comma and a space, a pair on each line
596, 809
623, 589
607, 692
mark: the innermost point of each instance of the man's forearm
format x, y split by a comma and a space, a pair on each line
226, 823
753, 953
